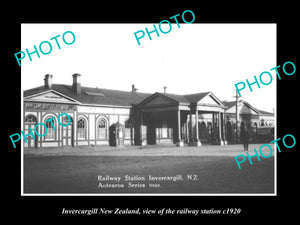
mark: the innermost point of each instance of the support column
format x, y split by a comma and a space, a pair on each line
191, 128
194, 141
179, 140
213, 127
131, 130
40, 139
197, 126
87, 129
220, 129
142, 140
187, 130
224, 129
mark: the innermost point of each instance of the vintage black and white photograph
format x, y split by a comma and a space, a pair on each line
148, 109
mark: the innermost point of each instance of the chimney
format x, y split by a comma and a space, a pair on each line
76, 83
48, 80
165, 89
133, 89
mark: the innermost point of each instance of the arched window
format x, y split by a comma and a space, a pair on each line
50, 130
262, 122
29, 124
102, 129
65, 120
209, 127
30, 119
82, 129
255, 125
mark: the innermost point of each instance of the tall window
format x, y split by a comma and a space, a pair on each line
164, 131
102, 129
30, 122
82, 129
50, 130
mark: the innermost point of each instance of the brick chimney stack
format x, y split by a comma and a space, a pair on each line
48, 80
76, 83
133, 89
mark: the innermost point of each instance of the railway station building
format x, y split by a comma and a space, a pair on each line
117, 118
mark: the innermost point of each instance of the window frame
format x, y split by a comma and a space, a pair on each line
82, 130
50, 130
104, 129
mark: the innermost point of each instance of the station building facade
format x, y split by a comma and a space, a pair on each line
117, 118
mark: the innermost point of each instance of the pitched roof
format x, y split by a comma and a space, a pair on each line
102, 96
230, 104
189, 98
176, 97
265, 112
193, 98
94, 95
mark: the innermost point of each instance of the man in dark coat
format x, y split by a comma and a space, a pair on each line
245, 138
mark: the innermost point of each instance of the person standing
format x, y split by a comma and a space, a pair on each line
245, 138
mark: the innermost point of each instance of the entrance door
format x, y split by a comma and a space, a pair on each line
116, 134
203, 134
30, 122
112, 135
67, 132
229, 131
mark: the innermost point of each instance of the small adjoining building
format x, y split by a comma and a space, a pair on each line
113, 117
260, 124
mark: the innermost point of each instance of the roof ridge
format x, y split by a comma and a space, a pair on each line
171, 95
265, 112
205, 92
108, 89
168, 93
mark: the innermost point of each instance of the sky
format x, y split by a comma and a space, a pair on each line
191, 59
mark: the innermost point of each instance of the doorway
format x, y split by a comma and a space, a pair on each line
30, 122
67, 131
